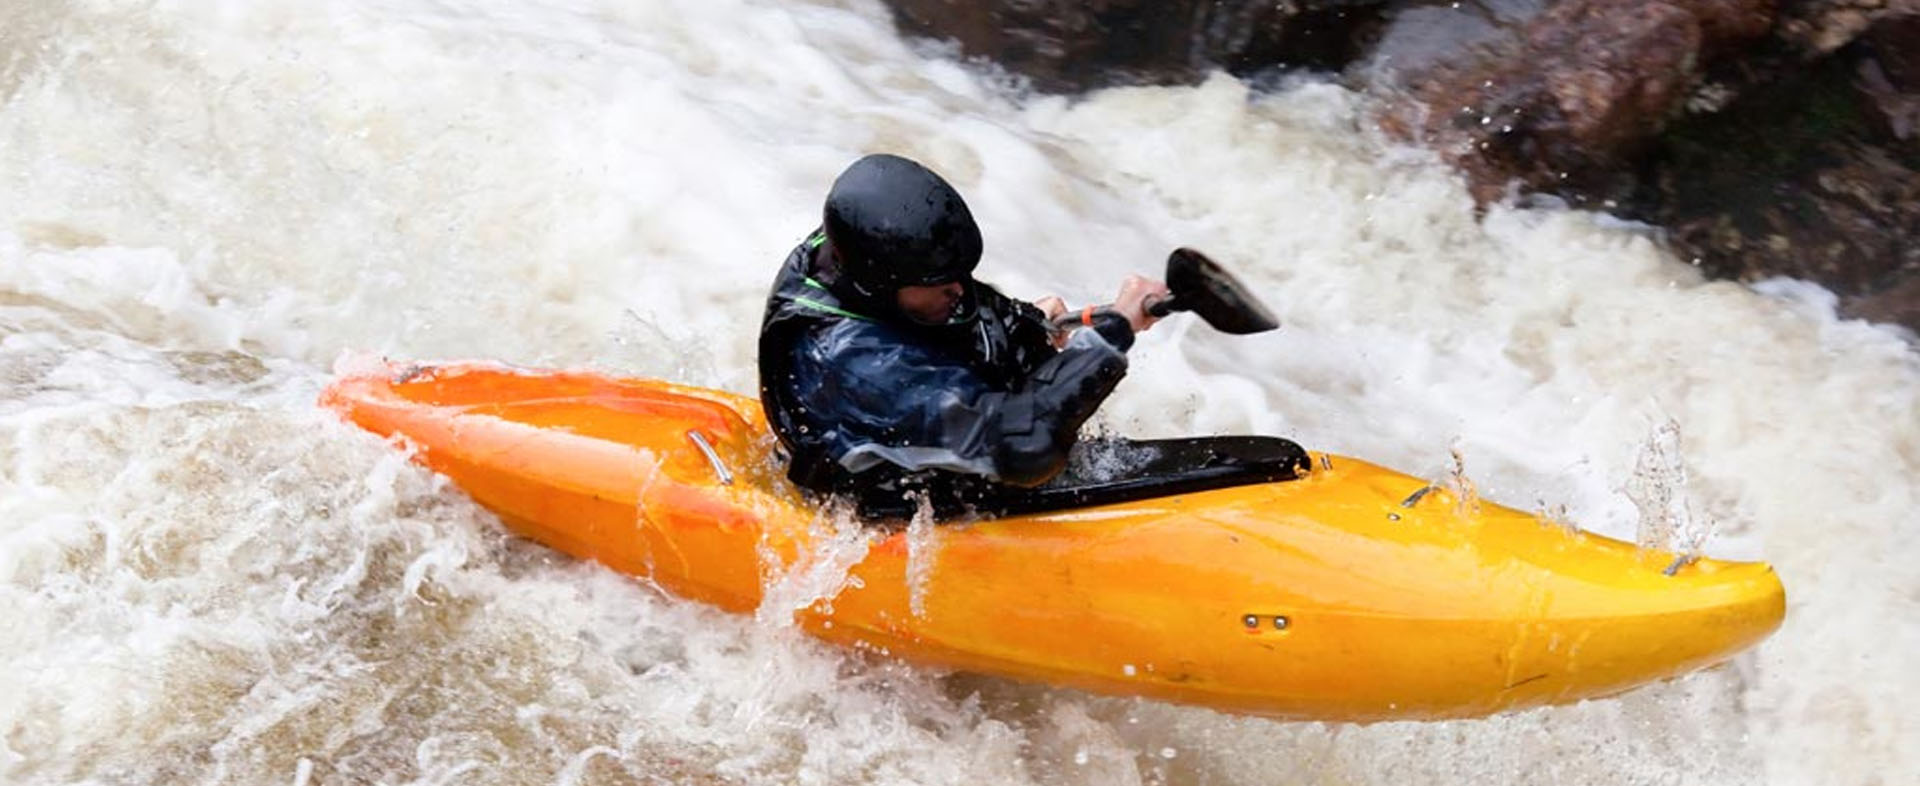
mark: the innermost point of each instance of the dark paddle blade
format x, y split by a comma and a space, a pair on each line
1201, 286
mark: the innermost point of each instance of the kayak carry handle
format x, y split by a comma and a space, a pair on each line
706, 449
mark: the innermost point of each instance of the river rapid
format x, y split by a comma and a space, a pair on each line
204, 578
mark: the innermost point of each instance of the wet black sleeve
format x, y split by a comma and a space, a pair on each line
896, 403
1038, 425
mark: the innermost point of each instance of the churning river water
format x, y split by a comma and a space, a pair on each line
204, 578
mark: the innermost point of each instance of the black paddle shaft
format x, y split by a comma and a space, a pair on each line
1198, 284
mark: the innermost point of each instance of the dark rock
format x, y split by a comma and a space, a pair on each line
1064, 46
1889, 75
1809, 177
1815, 28
1418, 39
1772, 137
1569, 101
1765, 150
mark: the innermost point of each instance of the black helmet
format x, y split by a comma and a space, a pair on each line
894, 223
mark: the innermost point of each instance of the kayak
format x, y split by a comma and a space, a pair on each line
1350, 593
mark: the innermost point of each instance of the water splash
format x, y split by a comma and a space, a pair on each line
922, 550
1466, 496
1106, 458
822, 568
645, 345
1658, 489
1555, 515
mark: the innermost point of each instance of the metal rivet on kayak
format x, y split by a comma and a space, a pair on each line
706, 448
1279, 622
1393, 517
1252, 620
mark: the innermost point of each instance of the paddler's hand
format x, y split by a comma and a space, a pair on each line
1136, 293
1052, 307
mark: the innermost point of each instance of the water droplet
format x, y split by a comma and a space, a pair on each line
1080, 756
1128, 670
921, 548
1168, 753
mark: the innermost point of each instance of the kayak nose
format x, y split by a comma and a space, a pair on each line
1708, 611
1596, 635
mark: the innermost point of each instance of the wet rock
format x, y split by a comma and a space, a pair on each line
1815, 177
1772, 137
1568, 101
1065, 46
1418, 39
1814, 28
1766, 149
1888, 72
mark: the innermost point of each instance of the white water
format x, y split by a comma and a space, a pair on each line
204, 579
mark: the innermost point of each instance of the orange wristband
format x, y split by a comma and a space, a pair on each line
1086, 316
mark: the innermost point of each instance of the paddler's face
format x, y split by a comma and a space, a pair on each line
930, 305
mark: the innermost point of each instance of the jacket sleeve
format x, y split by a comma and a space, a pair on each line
894, 402
1035, 427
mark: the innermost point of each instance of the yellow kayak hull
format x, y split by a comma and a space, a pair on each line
1344, 595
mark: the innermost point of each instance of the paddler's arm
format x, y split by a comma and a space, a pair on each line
1064, 391
906, 405
1034, 428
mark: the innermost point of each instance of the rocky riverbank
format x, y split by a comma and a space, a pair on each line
1769, 137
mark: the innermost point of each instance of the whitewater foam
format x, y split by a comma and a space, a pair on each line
208, 579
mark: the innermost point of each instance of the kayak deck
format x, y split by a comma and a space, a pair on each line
1352, 593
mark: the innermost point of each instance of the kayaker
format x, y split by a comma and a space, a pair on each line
889, 372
